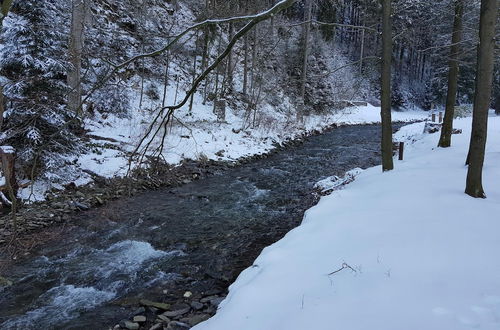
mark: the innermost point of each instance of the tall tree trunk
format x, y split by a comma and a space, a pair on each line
245, 65
75, 49
8, 171
204, 59
482, 95
401, 59
451, 98
245, 57
385, 98
254, 59
165, 81
216, 87
230, 66
2, 108
5, 6
191, 101
424, 64
362, 50
305, 49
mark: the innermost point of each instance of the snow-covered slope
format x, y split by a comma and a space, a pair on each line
406, 249
198, 134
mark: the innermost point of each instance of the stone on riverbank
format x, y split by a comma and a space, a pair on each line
139, 318
195, 319
149, 303
176, 325
177, 310
129, 325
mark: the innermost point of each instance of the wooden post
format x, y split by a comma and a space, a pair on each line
7, 157
401, 150
440, 117
433, 117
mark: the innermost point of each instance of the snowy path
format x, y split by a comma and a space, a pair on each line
424, 254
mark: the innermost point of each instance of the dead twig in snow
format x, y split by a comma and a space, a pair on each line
344, 266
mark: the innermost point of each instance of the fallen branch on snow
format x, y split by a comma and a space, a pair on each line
344, 266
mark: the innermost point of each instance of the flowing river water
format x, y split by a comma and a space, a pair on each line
196, 237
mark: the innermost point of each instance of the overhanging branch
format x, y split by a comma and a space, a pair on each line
254, 20
162, 118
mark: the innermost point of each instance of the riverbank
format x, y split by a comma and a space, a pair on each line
105, 181
404, 249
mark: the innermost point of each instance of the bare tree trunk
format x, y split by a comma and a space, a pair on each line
387, 161
4, 11
7, 158
216, 91
75, 49
204, 59
482, 95
424, 63
245, 65
254, 59
245, 57
143, 60
2, 108
401, 59
305, 53
451, 98
194, 78
176, 88
165, 82
362, 51
230, 62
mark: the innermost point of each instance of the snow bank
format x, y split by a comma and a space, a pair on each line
405, 249
198, 134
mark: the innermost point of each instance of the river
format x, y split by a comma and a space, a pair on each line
196, 237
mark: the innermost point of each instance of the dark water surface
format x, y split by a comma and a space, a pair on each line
195, 237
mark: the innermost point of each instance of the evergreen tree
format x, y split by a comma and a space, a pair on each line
32, 61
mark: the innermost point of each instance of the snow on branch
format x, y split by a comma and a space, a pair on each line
7, 149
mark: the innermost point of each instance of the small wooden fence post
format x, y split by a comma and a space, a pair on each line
7, 158
401, 150
440, 117
433, 117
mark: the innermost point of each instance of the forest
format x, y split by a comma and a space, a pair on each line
163, 159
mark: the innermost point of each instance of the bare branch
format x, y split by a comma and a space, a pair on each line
254, 20
446, 46
344, 266
313, 21
347, 65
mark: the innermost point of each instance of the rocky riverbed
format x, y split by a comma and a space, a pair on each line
60, 207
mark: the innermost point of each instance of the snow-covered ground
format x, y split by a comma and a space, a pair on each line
199, 134
405, 249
